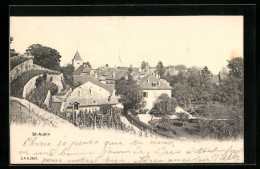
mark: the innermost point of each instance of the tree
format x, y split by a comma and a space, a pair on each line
236, 67
130, 94
44, 56
144, 66
130, 73
164, 105
161, 70
180, 68
12, 51
205, 77
68, 73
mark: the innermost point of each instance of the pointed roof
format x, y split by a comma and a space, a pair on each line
77, 56
79, 70
160, 84
87, 69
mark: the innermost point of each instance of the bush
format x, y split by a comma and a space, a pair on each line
182, 116
222, 122
39, 94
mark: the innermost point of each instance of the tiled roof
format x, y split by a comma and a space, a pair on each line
89, 78
79, 70
160, 84
87, 69
77, 56
91, 101
117, 73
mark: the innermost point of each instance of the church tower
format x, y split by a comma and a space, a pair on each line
77, 61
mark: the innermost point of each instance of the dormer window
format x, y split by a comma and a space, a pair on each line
153, 84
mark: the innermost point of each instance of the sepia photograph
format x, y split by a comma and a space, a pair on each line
126, 89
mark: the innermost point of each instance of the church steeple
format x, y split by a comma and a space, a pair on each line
77, 61
77, 56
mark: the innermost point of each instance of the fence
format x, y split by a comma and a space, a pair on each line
145, 127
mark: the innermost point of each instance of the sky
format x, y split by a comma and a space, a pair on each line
123, 41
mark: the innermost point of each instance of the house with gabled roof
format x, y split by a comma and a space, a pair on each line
152, 87
92, 94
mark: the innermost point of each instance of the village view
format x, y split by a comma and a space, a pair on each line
171, 101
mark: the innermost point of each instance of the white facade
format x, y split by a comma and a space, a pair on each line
90, 89
150, 96
77, 63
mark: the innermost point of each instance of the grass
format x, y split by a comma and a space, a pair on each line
16, 61
20, 114
187, 130
18, 84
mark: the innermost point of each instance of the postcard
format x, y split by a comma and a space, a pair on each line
126, 89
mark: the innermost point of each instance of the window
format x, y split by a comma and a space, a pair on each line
78, 93
76, 105
51, 79
145, 94
153, 84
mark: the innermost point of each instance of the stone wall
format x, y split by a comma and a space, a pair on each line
19, 69
56, 79
48, 99
30, 85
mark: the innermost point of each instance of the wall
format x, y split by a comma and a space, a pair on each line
77, 63
48, 99
56, 79
152, 96
37, 67
19, 69
30, 85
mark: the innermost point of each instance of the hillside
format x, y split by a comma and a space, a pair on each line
24, 112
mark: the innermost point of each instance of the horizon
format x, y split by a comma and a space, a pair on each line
123, 41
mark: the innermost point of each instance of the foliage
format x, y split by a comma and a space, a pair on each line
17, 61
38, 95
164, 105
68, 73
161, 70
44, 56
205, 77
144, 66
236, 67
180, 68
182, 116
12, 51
130, 94
40, 80
222, 122
130, 73
17, 85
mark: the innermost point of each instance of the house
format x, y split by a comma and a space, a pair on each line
152, 87
114, 75
91, 95
77, 61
